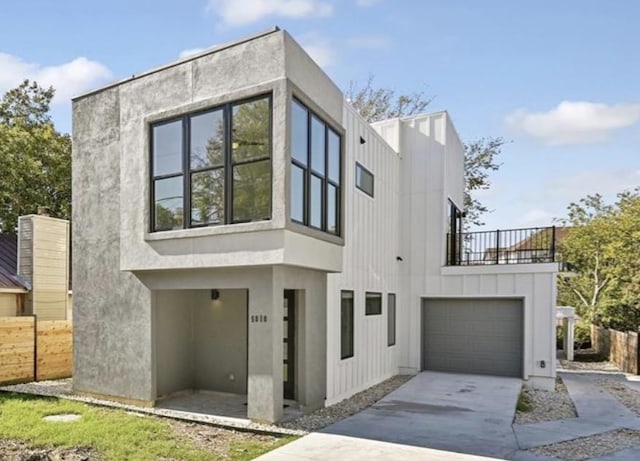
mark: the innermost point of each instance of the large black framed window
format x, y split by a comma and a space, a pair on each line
316, 171
346, 324
455, 234
213, 166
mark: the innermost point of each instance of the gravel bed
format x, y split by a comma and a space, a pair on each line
13, 450
54, 388
546, 405
358, 402
628, 397
593, 446
589, 366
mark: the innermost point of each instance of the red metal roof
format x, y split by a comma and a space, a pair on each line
9, 262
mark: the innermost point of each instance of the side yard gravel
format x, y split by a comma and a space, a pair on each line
358, 402
546, 405
586, 448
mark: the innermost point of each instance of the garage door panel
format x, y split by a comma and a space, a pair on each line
473, 336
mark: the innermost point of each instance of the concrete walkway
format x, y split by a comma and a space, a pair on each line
598, 412
329, 447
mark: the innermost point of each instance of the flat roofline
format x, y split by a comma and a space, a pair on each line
407, 118
193, 57
411, 117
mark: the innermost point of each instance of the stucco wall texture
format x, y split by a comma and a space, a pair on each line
117, 262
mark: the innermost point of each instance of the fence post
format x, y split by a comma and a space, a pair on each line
497, 246
637, 357
35, 347
553, 244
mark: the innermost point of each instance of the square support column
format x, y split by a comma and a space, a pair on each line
265, 387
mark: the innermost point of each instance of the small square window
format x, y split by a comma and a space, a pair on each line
373, 304
364, 180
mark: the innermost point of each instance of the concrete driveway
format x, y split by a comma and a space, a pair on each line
459, 413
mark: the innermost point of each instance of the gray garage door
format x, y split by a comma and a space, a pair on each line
482, 336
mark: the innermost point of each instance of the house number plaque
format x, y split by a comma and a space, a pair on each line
259, 318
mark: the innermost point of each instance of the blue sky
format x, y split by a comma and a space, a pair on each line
559, 79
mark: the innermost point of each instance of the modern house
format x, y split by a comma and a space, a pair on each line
238, 227
34, 269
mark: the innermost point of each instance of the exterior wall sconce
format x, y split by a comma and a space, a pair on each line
215, 294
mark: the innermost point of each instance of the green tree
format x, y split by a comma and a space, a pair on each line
375, 104
602, 250
36, 158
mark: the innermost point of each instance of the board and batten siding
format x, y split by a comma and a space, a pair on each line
371, 248
44, 262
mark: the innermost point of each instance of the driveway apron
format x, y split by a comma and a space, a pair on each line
455, 412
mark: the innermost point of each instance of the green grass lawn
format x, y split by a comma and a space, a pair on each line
115, 434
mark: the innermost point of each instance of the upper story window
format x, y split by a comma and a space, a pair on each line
454, 233
316, 171
212, 167
364, 179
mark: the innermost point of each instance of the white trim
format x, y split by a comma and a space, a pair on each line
535, 268
13, 290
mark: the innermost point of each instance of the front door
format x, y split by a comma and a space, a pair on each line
289, 343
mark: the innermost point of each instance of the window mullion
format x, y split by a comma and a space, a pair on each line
228, 165
307, 174
325, 188
186, 173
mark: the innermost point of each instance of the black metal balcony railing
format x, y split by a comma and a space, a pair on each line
513, 246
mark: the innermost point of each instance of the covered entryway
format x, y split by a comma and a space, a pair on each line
473, 335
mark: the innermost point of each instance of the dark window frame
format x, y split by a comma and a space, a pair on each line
391, 332
348, 354
228, 164
309, 172
367, 297
455, 233
373, 180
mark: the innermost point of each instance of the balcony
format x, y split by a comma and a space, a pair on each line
513, 246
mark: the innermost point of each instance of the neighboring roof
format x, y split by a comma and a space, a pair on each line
534, 239
9, 263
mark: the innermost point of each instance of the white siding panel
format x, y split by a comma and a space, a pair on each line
369, 263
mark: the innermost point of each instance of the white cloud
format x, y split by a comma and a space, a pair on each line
68, 79
244, 12
576, 186
320, 51
190, 52
575, 122
369, 42
366, 3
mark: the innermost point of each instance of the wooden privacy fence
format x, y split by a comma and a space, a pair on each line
618, 347
32, 350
